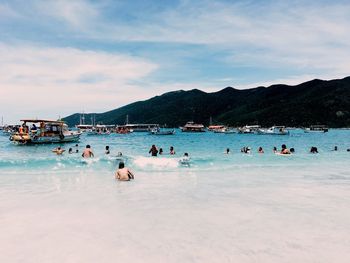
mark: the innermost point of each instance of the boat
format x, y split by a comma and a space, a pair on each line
123, 130
84, 127
225, 130
274, 130
101, 130
44, 131
316, 128
215, 127
162, 132
140, 127
193, 127
249, 129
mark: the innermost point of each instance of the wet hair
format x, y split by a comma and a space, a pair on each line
59, 148
70, 149
121, 165
76, 145
260, 148
107, 147
185, 154
284, 146
88, 146
275, 148
160, 150
171, 148
227, 150
292, 150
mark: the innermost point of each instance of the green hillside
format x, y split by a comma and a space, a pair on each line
312, 102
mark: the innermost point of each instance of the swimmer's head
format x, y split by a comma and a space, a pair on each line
88, 146
121, 165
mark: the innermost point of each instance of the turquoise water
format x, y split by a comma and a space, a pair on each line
221, 208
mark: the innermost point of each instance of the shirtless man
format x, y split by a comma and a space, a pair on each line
123, 173
58, 150
87, 152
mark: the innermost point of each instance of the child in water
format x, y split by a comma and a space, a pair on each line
107, 150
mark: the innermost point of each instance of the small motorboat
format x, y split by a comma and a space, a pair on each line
274, 130
162, 132
316, 128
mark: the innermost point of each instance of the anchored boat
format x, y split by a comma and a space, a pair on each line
156, 131
274, 130
317, 128
44, 131
193, 127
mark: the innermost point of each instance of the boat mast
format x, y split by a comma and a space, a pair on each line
127, 119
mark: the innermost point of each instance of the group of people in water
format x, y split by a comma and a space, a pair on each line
284, 150
154, 150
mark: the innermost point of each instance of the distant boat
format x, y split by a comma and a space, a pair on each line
316, 128
44, 131
193, 127
249, 129
84, 127
101, 130
225, 130
162, 132
140, 127
274, 130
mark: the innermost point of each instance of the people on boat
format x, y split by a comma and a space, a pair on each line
153, 151
58, 150
76, 148
33, 128
172, 151
260, 150
21, 130
123, 173
70, 150
107, 151
313, 149
87, 153
160, 151
284, 149
274, 149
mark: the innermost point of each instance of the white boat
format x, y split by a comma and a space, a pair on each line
249, 129
162, 132
100, 130
44, 131
225, 130
193, 127
316, 128
84, 127
274, 130
140, 127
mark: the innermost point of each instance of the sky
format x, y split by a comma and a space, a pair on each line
65, 56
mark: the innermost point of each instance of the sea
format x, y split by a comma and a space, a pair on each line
216, 207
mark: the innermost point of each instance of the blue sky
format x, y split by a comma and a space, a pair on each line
60, 57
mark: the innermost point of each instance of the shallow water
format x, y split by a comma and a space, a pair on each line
220, 208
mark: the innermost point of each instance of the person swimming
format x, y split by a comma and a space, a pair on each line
107, 150
58, 150
335, 148
172, 151
292, 150
260, 150
76, 148
160, 151
246, 150
284, 149
153, 150
313, 149
87, 153
70, 151
274, 149
123, 173
227, 150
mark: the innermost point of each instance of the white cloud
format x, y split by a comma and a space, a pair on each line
49, 82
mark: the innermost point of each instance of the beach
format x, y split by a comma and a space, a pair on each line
222, 208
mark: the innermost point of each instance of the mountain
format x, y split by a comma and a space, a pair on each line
313, 102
